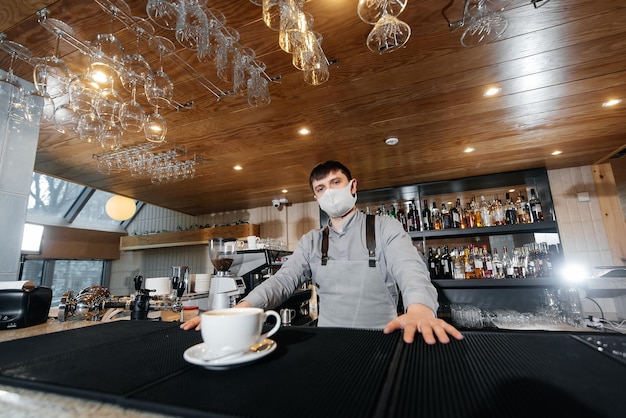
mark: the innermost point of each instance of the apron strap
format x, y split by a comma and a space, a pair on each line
370, 237
325, 246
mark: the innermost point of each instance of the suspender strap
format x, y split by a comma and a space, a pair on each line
370, 236
325, 246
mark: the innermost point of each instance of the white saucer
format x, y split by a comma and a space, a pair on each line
196, 354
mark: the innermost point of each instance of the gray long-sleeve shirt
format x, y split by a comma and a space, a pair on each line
395, 255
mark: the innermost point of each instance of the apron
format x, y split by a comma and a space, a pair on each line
354, 294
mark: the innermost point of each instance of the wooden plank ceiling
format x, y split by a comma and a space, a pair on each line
555, 65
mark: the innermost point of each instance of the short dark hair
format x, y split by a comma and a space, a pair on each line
324, 169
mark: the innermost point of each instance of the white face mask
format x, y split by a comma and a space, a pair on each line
337, 202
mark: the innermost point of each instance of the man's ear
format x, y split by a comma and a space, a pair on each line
353, 188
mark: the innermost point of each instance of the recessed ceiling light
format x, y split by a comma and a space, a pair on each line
238, 167
492, 91
391, 141
285, 190
611, 102
468, 149
557, 152
304, 131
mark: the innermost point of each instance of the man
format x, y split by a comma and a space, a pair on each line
357, 287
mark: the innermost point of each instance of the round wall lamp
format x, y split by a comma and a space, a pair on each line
120, 208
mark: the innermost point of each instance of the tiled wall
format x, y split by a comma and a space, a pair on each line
18, 145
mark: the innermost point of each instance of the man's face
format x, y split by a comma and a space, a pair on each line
335, 180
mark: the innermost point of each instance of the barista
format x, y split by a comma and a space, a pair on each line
354, 292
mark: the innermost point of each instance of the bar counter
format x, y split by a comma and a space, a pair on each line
137, 369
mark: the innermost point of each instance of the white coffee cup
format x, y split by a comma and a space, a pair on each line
253, 242
230, 331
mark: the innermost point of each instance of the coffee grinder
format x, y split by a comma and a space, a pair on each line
225, 285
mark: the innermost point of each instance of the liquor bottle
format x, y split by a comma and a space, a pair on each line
485, 212
457, 214
510, 212
470, 219
497, 211
402, 218
446, 265
411, 218
446, 217
431, 263
523, 210
498, 269
507, 264
437, 263
392, 212
535, 207
467, 264
517, 269
478, 263
426, 221
368, 211
459, 271
478, 220
435, 217
487, 263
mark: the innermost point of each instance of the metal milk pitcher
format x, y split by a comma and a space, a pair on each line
182, 273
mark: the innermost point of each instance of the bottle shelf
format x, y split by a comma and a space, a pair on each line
546, 226
497, 283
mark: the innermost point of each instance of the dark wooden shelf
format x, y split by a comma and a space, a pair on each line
498, 283
546, 226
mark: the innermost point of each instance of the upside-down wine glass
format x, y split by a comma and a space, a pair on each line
135, 69
370, 11
486, 25
388, 34
159, 91
9, 85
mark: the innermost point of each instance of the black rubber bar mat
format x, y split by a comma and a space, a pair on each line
140, 364
326, 372
509, 374
312, 373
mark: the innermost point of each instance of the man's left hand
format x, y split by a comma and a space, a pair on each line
420, 318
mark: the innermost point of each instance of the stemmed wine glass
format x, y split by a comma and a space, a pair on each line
388, 34
486, 25
50, 75
159, 91
134, 70
207, 48
192, 25
9, 85
164, 13
370, 11
258, 87
66, 119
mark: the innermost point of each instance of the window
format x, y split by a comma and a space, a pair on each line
65, 275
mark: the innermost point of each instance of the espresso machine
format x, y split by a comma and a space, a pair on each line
225, 286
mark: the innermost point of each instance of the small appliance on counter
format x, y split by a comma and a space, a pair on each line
23, 304
94, 303
225, 286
